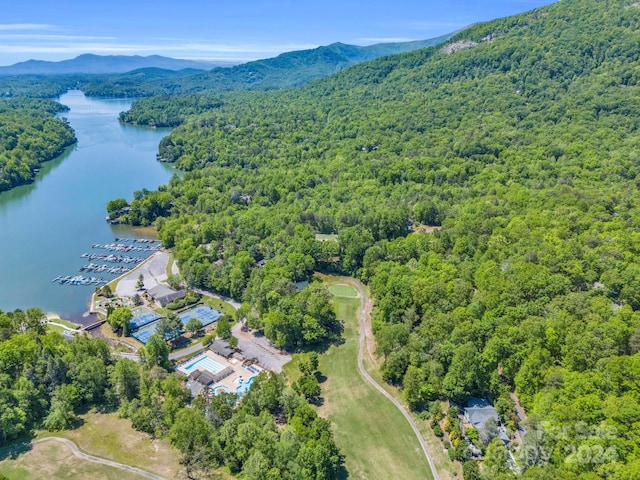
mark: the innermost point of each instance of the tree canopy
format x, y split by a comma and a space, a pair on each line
29, 135
515, 146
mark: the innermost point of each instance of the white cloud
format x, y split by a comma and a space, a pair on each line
25, 26
49, 37
61, 45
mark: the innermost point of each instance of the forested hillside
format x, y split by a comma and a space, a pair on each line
290, 69
29, 134
35, 86
520, 140
47, 381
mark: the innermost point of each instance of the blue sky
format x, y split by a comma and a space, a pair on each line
231, 30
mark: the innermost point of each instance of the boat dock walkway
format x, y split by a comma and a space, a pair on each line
137, 240
92, 267
121, 247
78, 280
111, 258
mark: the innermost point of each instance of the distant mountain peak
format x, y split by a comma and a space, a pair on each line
102, 64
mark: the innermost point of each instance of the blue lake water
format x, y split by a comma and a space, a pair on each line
47, 225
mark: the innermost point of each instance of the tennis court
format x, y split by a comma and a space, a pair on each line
142, 316
204, 313
145, 332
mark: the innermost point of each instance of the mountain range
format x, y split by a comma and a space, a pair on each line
287, 70
98, 64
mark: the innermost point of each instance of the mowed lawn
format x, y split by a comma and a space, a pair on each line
55, 461
111, 437
375, 438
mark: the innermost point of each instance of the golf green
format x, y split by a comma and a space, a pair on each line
341, 290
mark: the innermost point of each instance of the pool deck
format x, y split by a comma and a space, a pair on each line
232, 381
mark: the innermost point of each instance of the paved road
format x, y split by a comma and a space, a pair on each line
369, 378
185, 351
91, 458
230, 301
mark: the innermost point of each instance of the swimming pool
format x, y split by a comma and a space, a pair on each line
243, 387
206, 363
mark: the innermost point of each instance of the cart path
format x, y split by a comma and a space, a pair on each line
102, 461
370, 379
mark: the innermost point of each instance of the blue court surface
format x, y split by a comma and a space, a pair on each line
142, 316
144, 321
145, 332
204, 313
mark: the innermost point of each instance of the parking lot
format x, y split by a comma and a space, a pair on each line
256, 345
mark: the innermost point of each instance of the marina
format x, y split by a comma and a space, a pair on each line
66, 200
151, 245
136, 240
110, 258
92, 267
78, 280
121, 247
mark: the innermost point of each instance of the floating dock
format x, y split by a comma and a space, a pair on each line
136, 240
78, 280
121, 247
92, 267
111, 258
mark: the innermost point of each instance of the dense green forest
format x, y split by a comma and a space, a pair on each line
29, 134
166, 111
520, 141
46, 381
35, 86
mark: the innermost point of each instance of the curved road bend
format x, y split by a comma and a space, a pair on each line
369, 378
102, 461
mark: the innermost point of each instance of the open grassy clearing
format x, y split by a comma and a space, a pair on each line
169, 269
71, 325
325, 237
113, 438
218, 304
342, 290
56, 462
55, 328
376, 440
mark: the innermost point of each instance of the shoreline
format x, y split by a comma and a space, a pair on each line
92, 300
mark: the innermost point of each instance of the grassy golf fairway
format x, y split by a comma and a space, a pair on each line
374, 437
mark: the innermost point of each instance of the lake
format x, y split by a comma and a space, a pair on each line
47, 225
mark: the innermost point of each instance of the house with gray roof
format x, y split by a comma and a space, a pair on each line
165, 295
478, 411
221, 347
